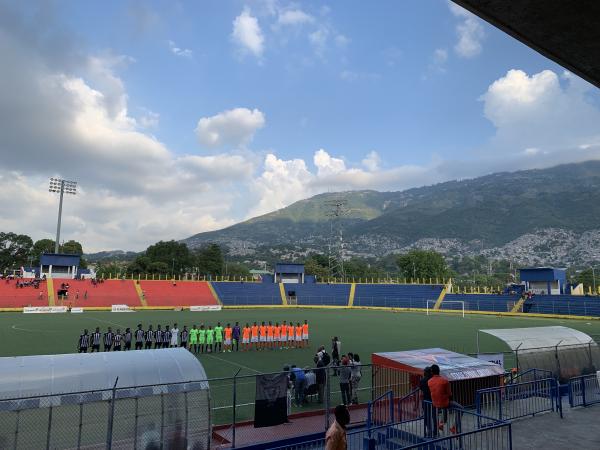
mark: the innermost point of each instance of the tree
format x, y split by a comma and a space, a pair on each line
361, 268
209, 260
423, 264
237, 269
318, 265
74, 248
14, 250
41, 246
175, 255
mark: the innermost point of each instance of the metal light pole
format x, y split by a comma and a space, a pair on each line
594, 279
61, 187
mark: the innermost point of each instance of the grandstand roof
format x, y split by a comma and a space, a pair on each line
540, 337
59, 259
26, 376
289, 268
453, 366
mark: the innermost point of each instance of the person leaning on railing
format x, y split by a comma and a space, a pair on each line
441, 398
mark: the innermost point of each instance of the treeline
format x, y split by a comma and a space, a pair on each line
18, 250
175, 258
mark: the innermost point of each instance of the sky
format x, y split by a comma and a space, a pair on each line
182, 117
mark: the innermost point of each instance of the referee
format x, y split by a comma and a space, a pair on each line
139, 337
149, 336
84, 342
96, 338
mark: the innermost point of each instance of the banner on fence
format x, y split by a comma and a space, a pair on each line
76, 310
270, 407
44, 309
205, 308
495, 358
121, 308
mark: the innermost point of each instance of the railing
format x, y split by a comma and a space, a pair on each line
519, 400
410, 406
584, 390
381, 410
412, 434
530, 375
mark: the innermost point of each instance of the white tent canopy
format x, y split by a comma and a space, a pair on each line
26, 376
540, 337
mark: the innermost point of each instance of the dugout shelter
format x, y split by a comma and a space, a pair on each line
401, 372
561, 350
131, 399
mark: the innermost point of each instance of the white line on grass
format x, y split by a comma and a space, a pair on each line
107, 321
15, 327
234, 363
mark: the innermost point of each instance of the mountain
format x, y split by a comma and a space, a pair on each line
110, 256
481, 215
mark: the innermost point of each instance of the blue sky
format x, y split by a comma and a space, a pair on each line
205, 113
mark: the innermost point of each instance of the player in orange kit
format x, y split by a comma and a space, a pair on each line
291, 341
254, 338
262, 336
228, 333
283, 334
305, 334
298, 335
270, 335
246, 337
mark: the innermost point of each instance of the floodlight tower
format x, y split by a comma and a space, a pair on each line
61, 187
337, 211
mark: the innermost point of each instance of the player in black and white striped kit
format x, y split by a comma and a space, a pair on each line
108, 340
127, 339
166, 337
117, 341
139, 337
96, 339
149, 337
84, 342
158, 336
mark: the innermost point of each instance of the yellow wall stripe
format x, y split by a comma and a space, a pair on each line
438, 303
284, 301
50, 288
214, 293
351, 297
140, 293
518, 305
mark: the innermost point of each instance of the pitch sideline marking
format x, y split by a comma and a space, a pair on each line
234, 363
15, 327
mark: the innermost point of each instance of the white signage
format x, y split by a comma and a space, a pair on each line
44, 309
495, 358
76, 310
205, 308
121, 308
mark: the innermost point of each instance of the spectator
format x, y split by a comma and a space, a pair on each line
310, 377
299, 385
321, 377
355, 377
426, 402
335, 353
345, 374
441, 397
290, 385
335, 438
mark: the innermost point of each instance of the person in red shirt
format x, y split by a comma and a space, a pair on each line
441, 398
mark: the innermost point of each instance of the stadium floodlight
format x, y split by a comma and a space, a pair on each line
60, 186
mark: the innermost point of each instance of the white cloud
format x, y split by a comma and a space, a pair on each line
149, 119
326, 164
247, 34
469, 31
177, 51
372, 161
536, 111
234, 127
294, 17
440, 56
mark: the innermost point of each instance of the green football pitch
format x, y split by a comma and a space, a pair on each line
360, 331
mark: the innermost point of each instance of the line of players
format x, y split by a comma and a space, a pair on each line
199, 340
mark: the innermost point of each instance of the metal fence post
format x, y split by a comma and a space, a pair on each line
49, 428
185, 399
80, 424
234, 404
135, 426
327, 399
111, 417
162, 419
582, 382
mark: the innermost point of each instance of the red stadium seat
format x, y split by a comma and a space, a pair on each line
110, 292
13, 297
183, 293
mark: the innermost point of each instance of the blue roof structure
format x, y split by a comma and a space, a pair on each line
59, 259
289, 268
543, 274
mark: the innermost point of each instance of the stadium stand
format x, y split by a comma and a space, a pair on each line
105, 294
396, 295
183, 293
481, 302
13, 297
320, 294
563, 304
240, 293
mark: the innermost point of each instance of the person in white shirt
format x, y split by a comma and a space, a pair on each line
175, 336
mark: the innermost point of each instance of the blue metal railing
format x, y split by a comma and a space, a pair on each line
519, 400
584, 390
381, 410
531, 375
411, 434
